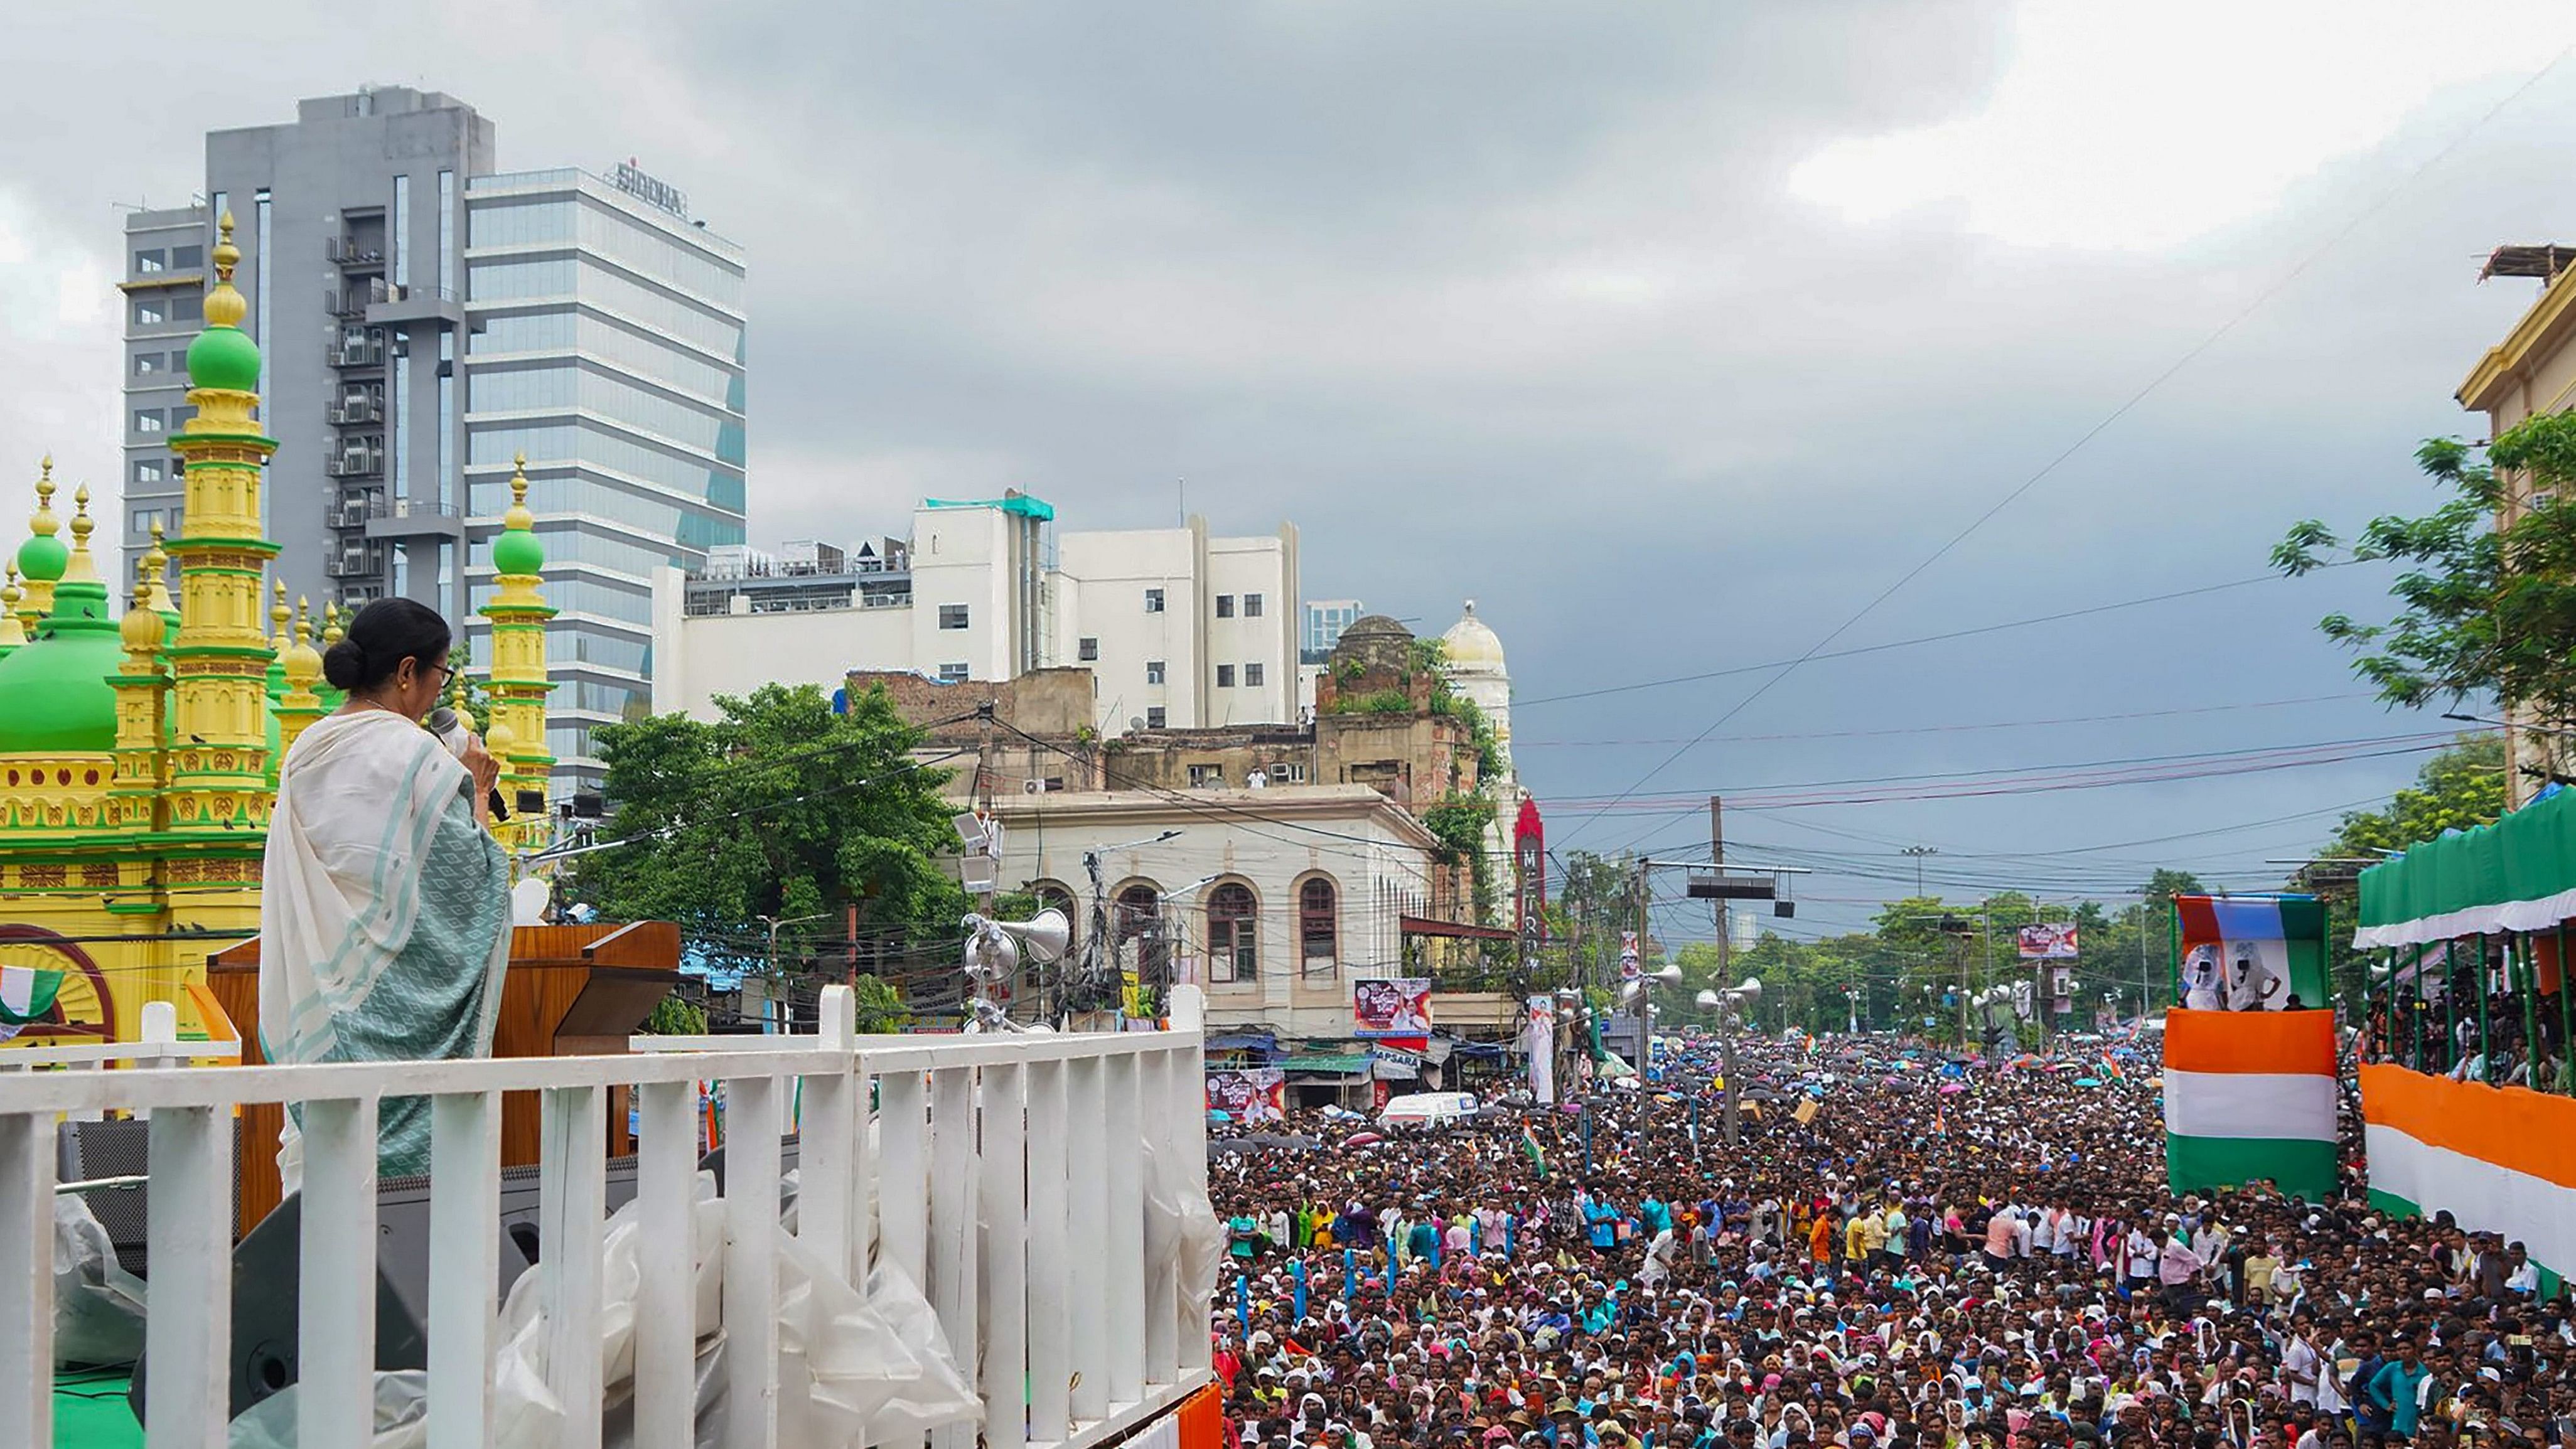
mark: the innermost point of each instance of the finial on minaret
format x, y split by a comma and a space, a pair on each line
303, 661
142, 629
224, 304
331, 630
223, 358
44, 524
42, 558
12, 632
156, 593
280, 615
80, 568
453, 696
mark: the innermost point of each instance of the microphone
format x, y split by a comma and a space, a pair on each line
444, 723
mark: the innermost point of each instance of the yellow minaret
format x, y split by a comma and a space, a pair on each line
517, 681
219, 791
42, 557
142, 702
300, 706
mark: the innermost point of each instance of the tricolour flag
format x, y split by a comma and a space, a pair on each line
2250, 1095
2498, 1159
26, 995
1537, 1154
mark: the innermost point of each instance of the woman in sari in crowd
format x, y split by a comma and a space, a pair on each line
385, 911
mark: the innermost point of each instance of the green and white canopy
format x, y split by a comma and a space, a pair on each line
2518, 874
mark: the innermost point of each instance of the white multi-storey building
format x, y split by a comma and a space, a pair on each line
1180, 629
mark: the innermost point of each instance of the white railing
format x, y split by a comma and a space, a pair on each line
159, 1046
1009, 1176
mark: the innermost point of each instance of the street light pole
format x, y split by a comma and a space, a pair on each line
768, 1007
1918, 852
1730, 1006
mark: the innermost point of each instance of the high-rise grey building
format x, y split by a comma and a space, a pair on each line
606, 346
426, 319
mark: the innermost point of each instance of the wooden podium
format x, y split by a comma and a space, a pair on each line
569, 991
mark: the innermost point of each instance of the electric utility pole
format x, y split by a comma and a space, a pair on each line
1725, 911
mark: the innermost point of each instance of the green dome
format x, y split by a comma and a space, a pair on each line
43, 557
54, 694
517, 552
224, 357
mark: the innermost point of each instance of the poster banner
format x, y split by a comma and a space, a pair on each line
2248, 953
1391, 1006
1631, 965
1538, 1033
1258, 1094
2048, 941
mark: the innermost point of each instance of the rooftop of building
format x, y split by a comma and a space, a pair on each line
639, 195
1265, 807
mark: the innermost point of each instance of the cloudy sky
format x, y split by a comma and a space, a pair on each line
1673, 334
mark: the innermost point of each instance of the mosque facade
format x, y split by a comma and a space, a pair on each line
139, 751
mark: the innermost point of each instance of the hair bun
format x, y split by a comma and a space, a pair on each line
344, 665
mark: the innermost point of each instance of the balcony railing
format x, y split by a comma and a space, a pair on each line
351, 412
355, 464
365, 354
353, 300
1043, 1192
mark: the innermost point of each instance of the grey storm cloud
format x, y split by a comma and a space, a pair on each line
1504, 300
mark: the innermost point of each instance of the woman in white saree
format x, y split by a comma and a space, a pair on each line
385, 911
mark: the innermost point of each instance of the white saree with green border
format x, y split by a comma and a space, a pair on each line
384, 916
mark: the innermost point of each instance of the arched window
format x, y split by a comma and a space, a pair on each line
1234, 934
1140, 922
1319, 933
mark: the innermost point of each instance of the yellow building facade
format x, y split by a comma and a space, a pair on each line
139, 755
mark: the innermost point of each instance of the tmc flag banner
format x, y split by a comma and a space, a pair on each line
2247, 953
1259, 1094
2497, 1159
2048, 941
2250, 1095
1391, 1006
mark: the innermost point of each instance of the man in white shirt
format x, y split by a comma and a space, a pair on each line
2144, 1258
2301, 1363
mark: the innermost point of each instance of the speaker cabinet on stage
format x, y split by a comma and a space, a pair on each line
569, 991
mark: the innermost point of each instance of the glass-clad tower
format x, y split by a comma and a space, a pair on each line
606, 345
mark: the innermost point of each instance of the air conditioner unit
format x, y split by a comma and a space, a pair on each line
1033, 787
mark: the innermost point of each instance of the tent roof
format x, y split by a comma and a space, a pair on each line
2518, 874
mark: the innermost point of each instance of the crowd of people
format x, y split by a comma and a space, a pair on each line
1944, 1255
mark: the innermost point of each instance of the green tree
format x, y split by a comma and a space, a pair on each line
778, 808
2487, 607
2459, 788
1590, 909
880, 1010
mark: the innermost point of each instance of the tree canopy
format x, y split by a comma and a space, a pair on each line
2488, 595
779, 808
